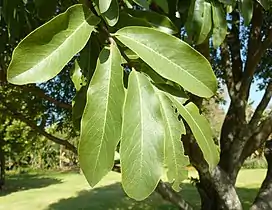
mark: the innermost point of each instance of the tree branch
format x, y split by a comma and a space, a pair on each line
261, 107
235, 46
40, 93
264, 197
256, 49
170, 195
258, 137
14, 114
227, 69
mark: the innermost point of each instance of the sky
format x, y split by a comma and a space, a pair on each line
255, 96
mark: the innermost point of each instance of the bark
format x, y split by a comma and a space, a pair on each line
169, 194
2, 163
263, 200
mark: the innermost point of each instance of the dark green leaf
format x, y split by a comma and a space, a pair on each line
142, 139
246, 8
161, 22
264, 3
168, 52
163, 4
142, 3
112, 14
46, 9
44, 52
102, 118
219, 24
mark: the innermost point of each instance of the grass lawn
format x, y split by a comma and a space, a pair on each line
70, 191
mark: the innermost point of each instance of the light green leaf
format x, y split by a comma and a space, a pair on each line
104, 5
174, 158
162, 4
102, 117
112, 14
201, 131
246, 8
44, 52
199, 21
161, 22
171, 58
77, 76
141, 149
219, 24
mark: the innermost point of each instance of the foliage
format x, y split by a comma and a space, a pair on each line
138, 88
57, 41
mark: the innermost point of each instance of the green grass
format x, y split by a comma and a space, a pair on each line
70, 191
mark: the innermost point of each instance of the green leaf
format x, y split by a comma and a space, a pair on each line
219, 24
78, 104
104, 5
46, 9
199, 21
112, 14
102, 118
142, 3
171, 58
141, 149
264, 3
161, 22
246, 8
77, 76
162, 4
174, 158
201, 131
173, 90
44, 52
126, 19
88, 57
227, 2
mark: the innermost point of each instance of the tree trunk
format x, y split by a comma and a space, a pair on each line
2, 164
263, 200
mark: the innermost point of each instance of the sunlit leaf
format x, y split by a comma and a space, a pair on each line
102, 117
141, 149
171, 58
112, 14
104, 5
44, 52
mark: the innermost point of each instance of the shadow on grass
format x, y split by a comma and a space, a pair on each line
112, 197
20, 182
